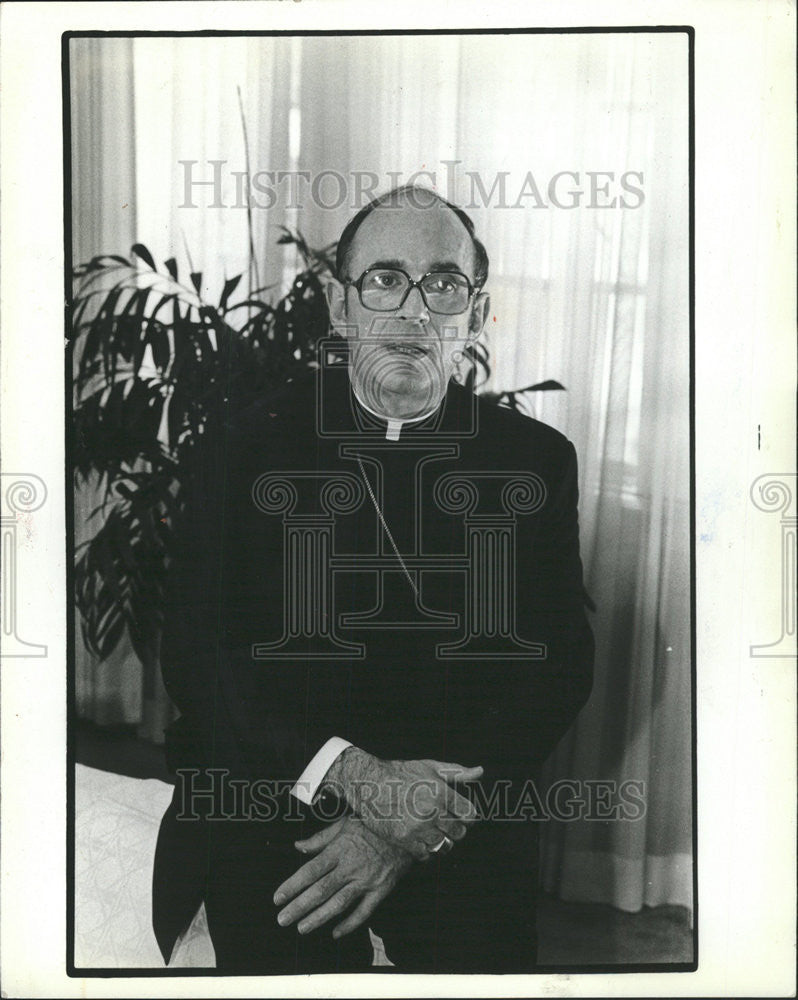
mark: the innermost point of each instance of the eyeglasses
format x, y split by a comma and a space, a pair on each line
383, 289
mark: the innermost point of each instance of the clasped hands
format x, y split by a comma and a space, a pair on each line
400, 811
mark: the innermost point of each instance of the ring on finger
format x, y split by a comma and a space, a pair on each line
443, 847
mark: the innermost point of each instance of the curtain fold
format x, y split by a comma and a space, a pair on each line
120, 690
596, 298
635, 512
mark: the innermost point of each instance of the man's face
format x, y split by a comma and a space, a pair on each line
401, 360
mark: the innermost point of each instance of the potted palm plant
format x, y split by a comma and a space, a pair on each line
155, 367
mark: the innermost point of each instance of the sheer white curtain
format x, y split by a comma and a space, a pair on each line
628, 412
119, 690
596, 298
147, 118
193, 99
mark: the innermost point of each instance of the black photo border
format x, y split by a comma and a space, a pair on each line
71, 711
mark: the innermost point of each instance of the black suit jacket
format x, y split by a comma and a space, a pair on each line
399, 696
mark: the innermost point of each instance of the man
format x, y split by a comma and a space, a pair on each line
377, 610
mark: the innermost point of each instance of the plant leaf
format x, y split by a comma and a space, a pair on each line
141, 251
229, 287
546, 386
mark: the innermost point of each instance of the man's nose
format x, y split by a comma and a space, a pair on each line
414, 306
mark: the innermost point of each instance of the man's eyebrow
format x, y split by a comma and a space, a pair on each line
446, 265
403, 265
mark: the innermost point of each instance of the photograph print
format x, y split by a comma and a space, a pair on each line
379, 465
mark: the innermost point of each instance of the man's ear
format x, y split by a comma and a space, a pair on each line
479, 315
336, 303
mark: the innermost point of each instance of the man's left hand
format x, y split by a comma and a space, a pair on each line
352, 866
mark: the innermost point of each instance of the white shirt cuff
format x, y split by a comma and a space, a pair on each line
308, 782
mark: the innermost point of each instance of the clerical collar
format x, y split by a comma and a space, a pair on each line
393, 426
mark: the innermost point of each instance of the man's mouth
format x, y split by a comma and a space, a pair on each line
411, 350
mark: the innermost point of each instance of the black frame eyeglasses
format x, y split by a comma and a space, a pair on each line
371, 298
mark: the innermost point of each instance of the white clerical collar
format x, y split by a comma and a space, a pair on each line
393, 426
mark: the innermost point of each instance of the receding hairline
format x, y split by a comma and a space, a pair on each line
406, 196
407, 203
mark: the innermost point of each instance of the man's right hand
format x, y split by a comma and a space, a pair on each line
352, 870
412, 804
